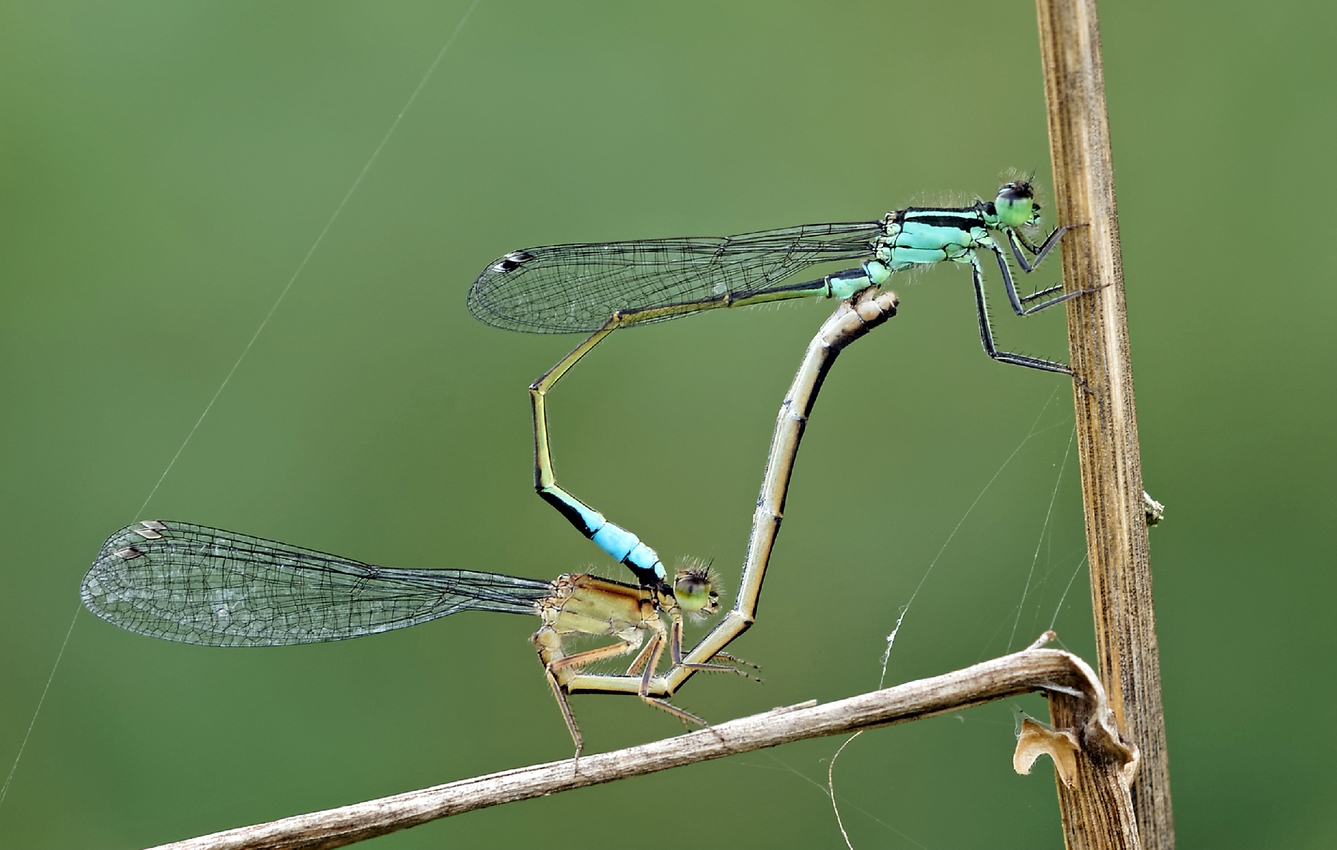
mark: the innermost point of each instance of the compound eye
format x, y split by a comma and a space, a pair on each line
1015, 204
695, 591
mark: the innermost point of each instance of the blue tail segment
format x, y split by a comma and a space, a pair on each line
625, 547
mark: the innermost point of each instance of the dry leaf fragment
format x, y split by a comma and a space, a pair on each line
1036, 740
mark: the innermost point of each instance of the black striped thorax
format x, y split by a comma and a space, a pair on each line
916, 229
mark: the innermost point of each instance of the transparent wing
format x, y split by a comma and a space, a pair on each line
201, 585
576, 288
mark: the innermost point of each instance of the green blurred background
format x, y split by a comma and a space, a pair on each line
167, 166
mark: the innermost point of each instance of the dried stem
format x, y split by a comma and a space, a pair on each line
1069, 681
1116, 529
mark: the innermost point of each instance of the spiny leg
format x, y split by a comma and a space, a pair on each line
1018, 303
590, 656
734, 659
657, 651
986, 329
547, 639
675, 653
638, 666
1041, 293
638, 663
685, 716
565, 708
1018, 240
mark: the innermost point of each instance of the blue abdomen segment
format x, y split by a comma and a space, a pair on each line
619, 543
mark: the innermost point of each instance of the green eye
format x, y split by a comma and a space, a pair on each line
1016, 205
694, 589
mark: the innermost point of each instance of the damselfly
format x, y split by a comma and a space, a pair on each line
200, 585
597, 288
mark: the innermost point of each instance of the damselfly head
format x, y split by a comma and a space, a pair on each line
696, 587
1015, 204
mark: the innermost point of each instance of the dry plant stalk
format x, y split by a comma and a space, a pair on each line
1071, 684
1112, 495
